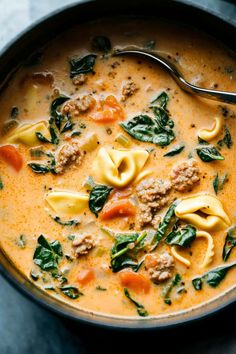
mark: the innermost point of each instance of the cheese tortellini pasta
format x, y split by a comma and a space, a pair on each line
203, 211
120, 167
209, 134
208, 255
26, 134
67, 203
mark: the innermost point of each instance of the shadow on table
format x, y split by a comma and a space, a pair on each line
199, 337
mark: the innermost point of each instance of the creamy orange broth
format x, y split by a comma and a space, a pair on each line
202, 60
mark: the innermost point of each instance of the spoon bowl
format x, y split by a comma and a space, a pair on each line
217, 95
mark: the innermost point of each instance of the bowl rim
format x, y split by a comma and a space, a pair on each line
90, 317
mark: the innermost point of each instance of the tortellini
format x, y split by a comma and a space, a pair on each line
120, 167
209, 134
67, 203
208, 255
203, 211
26, 134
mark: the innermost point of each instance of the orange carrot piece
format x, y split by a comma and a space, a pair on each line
85, 276
134, 281
117, 209
108, 111
11, 156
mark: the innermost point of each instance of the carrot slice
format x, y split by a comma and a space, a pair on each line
85, 276
11, 156
118, 208
134, 281
109, 110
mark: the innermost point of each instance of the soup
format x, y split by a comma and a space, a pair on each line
118, 188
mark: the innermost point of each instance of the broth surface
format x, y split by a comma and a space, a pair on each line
23, 209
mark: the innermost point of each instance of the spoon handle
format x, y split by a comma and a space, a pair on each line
222, 96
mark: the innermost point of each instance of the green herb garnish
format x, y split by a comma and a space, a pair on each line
158, 130
227, 139
166, 291
230, 243
71, 291
164, 225
182, 237
46, 254
213, 277
98, 197
82, 65
209, 153
65, 223
123, 249
219, 182
140, 308
176, 150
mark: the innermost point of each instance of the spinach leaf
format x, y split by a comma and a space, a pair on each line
42, 169
230, 243
42, 138
164, 225
140, 308
227, 139
71, 291
213, 277
68, 126
176, 150
54, 137
158, 130
209, 153
56, 117
219, 182
98, 197
202, 142
37, 168
65, 223
166, 291
14, 112
82, 65
101, 43
1, 184
47, 254
144, 128
161, 100
122, 248
182, 237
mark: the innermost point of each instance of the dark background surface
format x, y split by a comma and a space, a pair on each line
25, 328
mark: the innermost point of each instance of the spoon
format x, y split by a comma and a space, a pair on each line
223, 96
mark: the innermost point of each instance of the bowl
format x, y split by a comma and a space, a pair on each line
36, 36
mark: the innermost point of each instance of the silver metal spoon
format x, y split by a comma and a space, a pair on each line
223, 96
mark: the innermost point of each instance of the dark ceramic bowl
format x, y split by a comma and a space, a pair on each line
36, 36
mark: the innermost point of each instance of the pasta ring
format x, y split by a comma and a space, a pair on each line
208, 255
209, 134
216, 219
118, 168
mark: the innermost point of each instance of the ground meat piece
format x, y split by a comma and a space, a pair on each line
128, 90
185, 175
159, 267
152, 194
79, 79
83, 244
68, 153
78, 105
